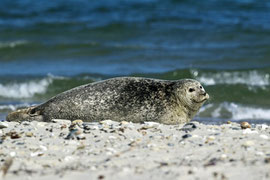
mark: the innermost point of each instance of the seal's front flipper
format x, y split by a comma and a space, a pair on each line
24, 115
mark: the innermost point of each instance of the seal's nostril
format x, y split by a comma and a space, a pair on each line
204, 93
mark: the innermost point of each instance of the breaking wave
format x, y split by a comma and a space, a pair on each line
12, 44
25, 89
229, 110
250, 78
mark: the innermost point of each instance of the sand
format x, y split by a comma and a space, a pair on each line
113, 150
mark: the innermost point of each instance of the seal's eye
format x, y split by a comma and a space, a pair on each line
200, 87
191, 90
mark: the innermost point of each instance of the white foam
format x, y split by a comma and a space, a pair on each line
25, 89
12, 44
236, 112
12, 107
251, 78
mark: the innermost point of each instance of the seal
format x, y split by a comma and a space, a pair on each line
122, 99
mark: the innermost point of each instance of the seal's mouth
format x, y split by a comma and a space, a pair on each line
200, 101
203, 100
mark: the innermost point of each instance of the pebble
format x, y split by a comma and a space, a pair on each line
7, 164
43, 148
112, 137
188, 127
223, 156
248, 143
262, 127
76, 130
264, 136
38, 153
12, 154
245, 125
61, 121
69, 158
267, 160
3, 125
109, 123
29, 134
195, 136
77, 122
14, 135
249, 131
75, 134
125, 124
148, 125
259, 153
186, 136
211, 138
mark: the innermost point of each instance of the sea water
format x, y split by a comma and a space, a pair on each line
47, 47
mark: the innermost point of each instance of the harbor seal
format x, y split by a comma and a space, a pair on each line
122, 99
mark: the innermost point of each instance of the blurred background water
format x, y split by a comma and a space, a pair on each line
47, 47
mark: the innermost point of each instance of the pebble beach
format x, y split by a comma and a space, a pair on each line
123, 150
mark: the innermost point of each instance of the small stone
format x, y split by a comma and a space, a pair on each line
29, 134
38, 153
195, 136
7, 164
124, 123
12, 154
259, 153
14, 135
69, 158
249, 131
262, 127
267, 160
143, 132
229, 122
245, 125
3, 125
248, 143
63, 126
112, 137
211, 162
43, 148
77, 122
223, 156
211, 138
186, 136
62, 121
148, 125
26, 123
100, 177
264, 136
188, 127
75, 134
108, 122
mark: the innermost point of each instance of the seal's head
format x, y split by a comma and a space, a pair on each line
192, 94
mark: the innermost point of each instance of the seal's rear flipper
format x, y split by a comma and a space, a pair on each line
24, 115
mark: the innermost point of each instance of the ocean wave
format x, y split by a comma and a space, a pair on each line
12, 44
13, 107
25, 89
250, 78
229, 110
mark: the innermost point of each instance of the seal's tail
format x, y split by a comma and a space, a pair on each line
24, 115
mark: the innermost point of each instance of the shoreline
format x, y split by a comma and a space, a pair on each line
114, 150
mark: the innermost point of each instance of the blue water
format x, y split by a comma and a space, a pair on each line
47, 47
